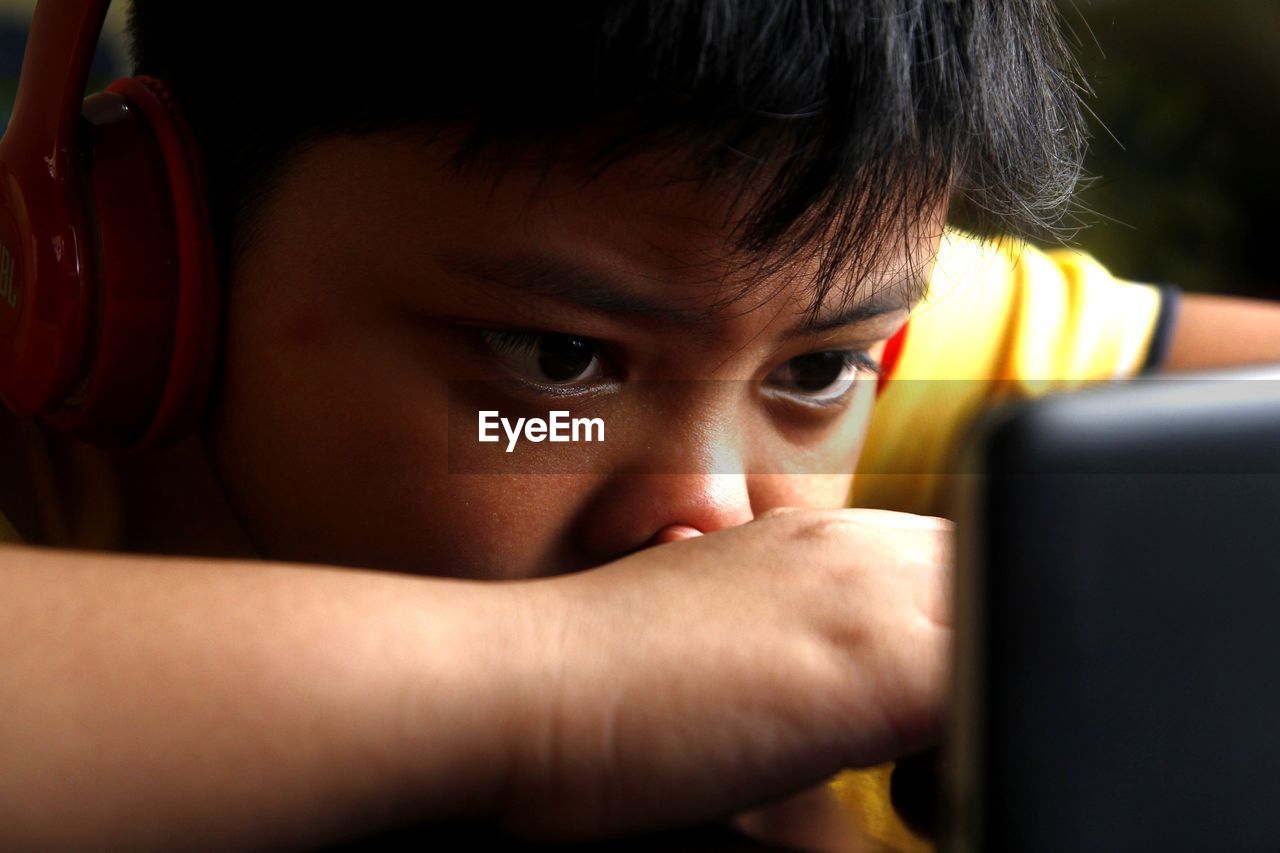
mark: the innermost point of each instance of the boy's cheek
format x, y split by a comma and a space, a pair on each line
351, 471
379, 495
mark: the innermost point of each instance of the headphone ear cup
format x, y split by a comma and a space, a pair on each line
196, 333
155, 329
131, 280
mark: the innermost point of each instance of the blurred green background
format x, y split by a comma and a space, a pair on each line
1184, 155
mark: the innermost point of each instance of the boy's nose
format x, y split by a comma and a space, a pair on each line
640, 510
672, 533
688, 477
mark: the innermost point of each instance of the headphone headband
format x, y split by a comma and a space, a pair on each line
44, 256
55, 70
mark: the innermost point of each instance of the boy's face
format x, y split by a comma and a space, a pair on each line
387, 299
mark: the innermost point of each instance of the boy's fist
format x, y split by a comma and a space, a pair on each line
706, 675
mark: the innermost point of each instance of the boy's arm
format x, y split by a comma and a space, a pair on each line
174, 702
1220, 331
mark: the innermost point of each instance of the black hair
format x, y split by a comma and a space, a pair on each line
846, 119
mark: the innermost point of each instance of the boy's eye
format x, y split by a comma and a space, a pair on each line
547, 358
820, 377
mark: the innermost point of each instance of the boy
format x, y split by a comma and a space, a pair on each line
702, 225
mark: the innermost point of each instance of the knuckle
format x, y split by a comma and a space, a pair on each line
779, 512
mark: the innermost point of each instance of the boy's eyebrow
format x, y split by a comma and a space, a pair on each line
553, 278
557, 279
548, 276
898, 297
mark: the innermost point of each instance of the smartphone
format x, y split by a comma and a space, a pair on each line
1117, 673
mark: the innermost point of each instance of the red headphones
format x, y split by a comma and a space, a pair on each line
108, 284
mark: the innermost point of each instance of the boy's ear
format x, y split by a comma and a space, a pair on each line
108, 289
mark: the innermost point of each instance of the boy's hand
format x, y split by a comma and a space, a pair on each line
726, 670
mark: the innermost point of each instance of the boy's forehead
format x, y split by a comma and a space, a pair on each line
569, 280
613, 239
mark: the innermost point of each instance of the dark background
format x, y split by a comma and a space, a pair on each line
1190, 91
